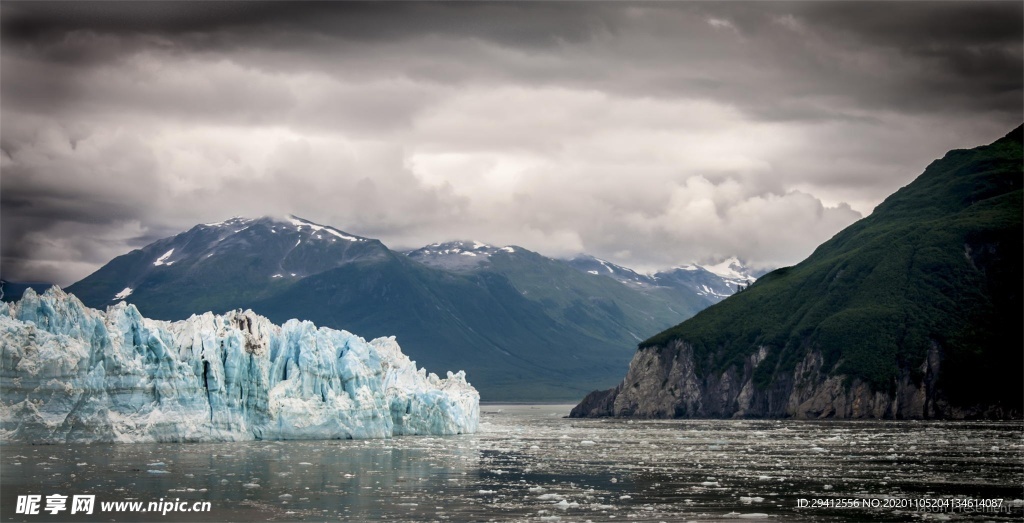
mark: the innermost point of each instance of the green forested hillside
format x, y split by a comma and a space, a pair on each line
937, 265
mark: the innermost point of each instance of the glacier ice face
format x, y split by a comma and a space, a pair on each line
69, 373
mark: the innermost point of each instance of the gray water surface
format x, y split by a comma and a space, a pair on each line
528, 463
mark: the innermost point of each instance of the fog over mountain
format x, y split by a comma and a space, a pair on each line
650, 135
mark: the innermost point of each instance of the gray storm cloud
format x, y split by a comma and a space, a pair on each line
651, 134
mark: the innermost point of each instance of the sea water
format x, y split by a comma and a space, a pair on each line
529, 463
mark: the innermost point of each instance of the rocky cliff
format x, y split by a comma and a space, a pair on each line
912, 312
663, 382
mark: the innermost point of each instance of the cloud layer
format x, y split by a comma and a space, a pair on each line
651, 134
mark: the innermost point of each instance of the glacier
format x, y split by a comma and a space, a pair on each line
69, 373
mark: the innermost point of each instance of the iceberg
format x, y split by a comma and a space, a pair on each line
69, 373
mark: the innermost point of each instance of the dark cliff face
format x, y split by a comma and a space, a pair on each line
912, 312
663, 382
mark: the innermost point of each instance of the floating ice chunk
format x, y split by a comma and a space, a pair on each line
587, 443
158, 471
487, 491
563, 505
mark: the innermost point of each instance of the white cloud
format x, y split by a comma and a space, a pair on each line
721, 23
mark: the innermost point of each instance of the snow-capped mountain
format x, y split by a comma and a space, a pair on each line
598, 267
300, 247
240, 256
523, 326
714, 282
458, 255
718, 281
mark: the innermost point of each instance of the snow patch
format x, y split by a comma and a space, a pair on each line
231, 221
727, 269
126, 292
163, 259
299, 223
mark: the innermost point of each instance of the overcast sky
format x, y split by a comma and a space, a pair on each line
649, 134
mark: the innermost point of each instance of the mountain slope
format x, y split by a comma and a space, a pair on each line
223, 266
572, 297
523, 326
903, 314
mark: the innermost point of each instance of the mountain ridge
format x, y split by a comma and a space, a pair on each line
524, 326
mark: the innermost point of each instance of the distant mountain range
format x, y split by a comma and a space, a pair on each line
524, 326
912, 312
716, 282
